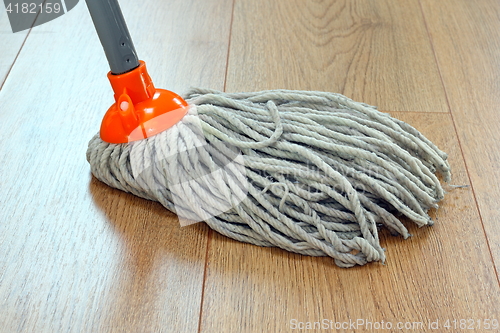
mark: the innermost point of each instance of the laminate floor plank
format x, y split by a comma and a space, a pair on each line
10, 46
76, 255
443, 272
467, 45
377, 52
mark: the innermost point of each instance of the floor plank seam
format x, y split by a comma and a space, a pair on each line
20, 49
205, 270
209, 234
14, 61
229, 44
429, 37
460, 145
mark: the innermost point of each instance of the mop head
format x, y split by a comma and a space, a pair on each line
310, 172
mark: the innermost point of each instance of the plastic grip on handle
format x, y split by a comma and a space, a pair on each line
114, 35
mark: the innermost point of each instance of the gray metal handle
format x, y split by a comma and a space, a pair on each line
113, 33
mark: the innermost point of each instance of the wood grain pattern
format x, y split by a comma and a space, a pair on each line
10, 45
75, 255
78, 256
377, 52
443, 272
467, 47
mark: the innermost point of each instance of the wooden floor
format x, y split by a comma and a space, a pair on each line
78, 256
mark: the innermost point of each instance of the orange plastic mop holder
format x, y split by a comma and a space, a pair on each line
141, 110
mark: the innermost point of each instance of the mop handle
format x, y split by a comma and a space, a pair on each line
113, 33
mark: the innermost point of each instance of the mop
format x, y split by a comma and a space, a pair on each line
311, 172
